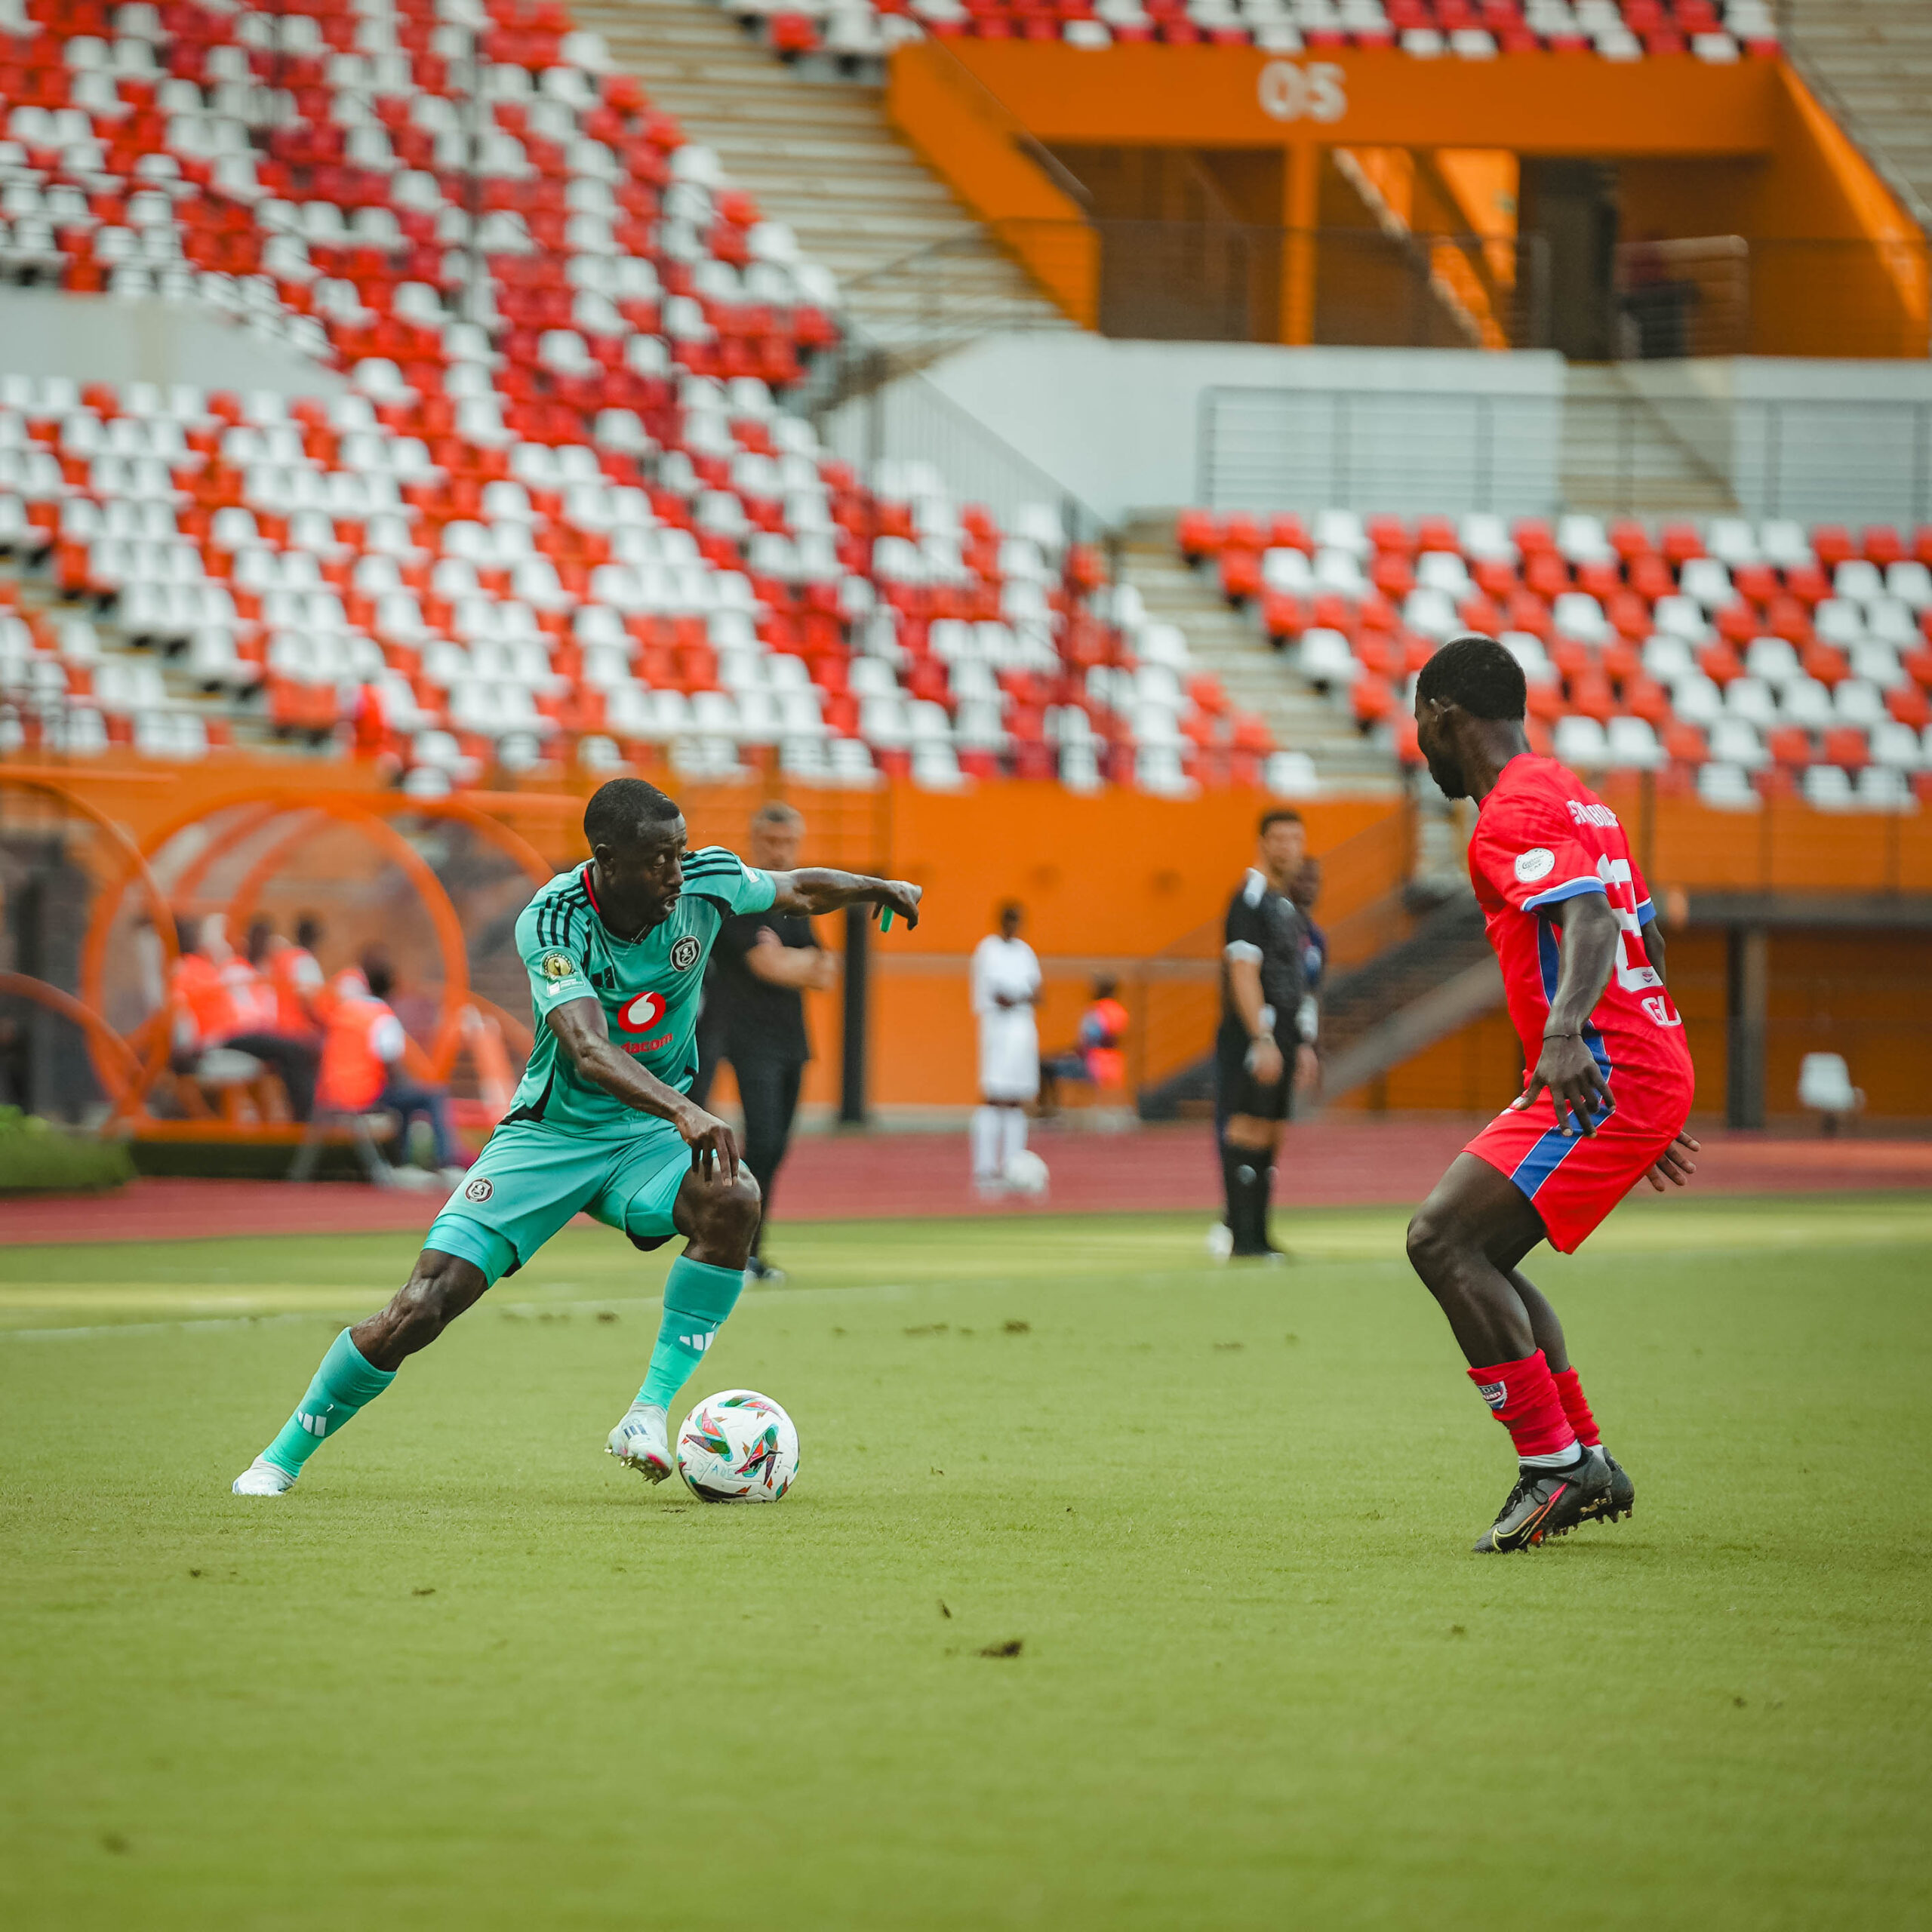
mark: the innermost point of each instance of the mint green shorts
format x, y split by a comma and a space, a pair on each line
530, 1178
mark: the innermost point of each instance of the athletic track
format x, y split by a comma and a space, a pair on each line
1326, 1164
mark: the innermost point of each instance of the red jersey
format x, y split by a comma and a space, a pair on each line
1543, 836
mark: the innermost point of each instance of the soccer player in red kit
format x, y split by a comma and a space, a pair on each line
1606, 1101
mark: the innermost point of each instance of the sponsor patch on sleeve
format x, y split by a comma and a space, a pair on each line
1537, 862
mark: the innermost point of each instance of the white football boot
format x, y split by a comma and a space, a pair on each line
638, 1442
262, 1477
1220, 1241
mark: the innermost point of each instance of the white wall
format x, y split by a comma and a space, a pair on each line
1836, 442
1127, 426
102, 338
1120, 422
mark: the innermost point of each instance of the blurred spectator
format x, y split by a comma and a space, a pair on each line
294, 972
1097, 1056
219, 999
362, 1062
755, 1013
1305, 891
1006, 989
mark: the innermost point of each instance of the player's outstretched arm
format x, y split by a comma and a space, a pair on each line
584, 1035
814, 889
1566, 1066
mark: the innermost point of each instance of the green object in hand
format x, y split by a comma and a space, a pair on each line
885, 920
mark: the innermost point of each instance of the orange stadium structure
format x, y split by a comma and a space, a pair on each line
567, 458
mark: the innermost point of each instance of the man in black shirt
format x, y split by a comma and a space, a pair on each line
755, 1013
1265, 1046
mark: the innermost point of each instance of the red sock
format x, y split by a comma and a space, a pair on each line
1524, 1395
1571, 1388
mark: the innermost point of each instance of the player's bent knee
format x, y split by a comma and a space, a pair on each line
1431, 1242
735, 1207
715, 1207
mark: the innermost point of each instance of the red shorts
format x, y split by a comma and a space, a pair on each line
1575, 1179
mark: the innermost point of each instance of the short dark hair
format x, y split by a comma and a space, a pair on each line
1479, 674
256, 946
623, 809
308, 930
1278, 815
379, 973
1011, 909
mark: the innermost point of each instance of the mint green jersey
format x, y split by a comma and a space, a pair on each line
649, 987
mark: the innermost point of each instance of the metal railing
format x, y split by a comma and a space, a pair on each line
1815, 460
1404, 451
1224, 281
1219, 281
935, 299
901, 416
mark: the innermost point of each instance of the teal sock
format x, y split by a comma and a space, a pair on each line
697, 1297
343, 1385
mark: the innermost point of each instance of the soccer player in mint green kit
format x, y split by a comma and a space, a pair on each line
602, 1122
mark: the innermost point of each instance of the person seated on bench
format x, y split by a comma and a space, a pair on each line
1097, 1056
362, 1062
290, 968
220, 1001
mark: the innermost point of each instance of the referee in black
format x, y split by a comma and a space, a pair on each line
1266, 1047
754, 1013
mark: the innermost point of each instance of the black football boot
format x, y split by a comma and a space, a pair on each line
1621, 1498
1548, 1502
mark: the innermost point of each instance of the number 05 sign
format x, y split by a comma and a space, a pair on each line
1289, 92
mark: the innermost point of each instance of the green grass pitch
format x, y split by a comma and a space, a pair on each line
471, 1674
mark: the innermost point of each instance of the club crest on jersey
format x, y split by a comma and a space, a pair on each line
640, 1014
479, 1189
684, 954
558, 966
1539, 861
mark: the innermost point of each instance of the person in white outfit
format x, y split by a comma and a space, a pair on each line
1006, 989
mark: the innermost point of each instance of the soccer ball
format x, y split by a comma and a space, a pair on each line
738, 1446
1026, 1173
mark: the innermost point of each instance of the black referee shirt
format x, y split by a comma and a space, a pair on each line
753, 1017
1265, 926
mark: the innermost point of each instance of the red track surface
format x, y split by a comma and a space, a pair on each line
1331, 1164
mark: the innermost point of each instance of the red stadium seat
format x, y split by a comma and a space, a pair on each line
1847, 747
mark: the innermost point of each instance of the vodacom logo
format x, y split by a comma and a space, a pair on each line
640, 1014
1290, 92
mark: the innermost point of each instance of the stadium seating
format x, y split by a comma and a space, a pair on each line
1738, 658
1712, 30
559, 511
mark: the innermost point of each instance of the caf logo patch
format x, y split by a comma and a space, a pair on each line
684, 954
481, 1189
1537, 862
558, 966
